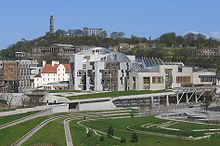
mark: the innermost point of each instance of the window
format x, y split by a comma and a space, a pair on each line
157, 80
146, 80
183, 79
154, 80
84, 66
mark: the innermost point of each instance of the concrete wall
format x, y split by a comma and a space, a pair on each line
93, 106
60, 108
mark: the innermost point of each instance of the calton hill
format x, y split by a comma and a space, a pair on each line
188, 48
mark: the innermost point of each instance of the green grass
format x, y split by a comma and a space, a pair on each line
6, 119
12, 134
119, 126
115, 94
51, 134
63, 91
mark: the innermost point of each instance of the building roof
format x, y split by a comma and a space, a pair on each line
116, 56
48, 68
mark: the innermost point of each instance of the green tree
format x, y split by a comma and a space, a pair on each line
134, 137
110, 132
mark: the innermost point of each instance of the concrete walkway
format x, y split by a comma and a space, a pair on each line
24, 119
69, 141
24, 138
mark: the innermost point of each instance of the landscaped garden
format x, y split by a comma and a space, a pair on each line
120, 130
11, 134
51, 134
116, 94
10, 118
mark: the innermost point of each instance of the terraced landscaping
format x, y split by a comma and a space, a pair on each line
63, 91
116, 94
120, 130
52, 134
11, 134
11, 118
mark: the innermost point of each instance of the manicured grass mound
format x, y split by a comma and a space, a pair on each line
116, 94
11, 134
120, 130
6, 119
63, 91
51, 134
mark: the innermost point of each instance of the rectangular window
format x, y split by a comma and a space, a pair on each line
153, 80
146, 80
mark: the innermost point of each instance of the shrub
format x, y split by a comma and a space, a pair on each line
89, 133
123, 140
102, 138
110, 132
134, 137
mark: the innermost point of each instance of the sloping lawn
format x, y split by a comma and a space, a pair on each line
116, 94
11, 134
51, 134
119, 127
63, 91
6, 119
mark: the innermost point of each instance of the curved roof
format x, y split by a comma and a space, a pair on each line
116, 56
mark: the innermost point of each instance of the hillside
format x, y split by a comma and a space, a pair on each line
168, 47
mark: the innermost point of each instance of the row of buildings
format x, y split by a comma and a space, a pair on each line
100, 69
17, 76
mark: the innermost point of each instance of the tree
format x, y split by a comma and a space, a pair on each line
78, 32
115, 34
206, 102
104, 34
169, 39
70, 32
61, 32
101, 138
134, 137
8, 97
110, 132
123, 140
89, 133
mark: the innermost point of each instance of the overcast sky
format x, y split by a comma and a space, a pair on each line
29, 19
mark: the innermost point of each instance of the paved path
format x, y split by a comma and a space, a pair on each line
24, 119
69, 141
33, 131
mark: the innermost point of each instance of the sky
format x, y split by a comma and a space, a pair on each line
29, 19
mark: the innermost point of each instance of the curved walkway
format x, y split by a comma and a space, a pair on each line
24, 119
33, 131
69, 141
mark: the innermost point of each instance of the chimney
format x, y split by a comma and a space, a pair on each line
55, 62
44, 63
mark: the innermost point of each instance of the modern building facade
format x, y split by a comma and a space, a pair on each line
99, 69
154, 74
17, 76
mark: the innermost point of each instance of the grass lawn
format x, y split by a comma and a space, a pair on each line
6, 119
63, 91
11, 134
116, 94
51, 134
119, 126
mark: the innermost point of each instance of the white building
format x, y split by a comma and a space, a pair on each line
99, 69
52, 73
155, 74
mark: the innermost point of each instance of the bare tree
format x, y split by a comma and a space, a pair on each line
8, 97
